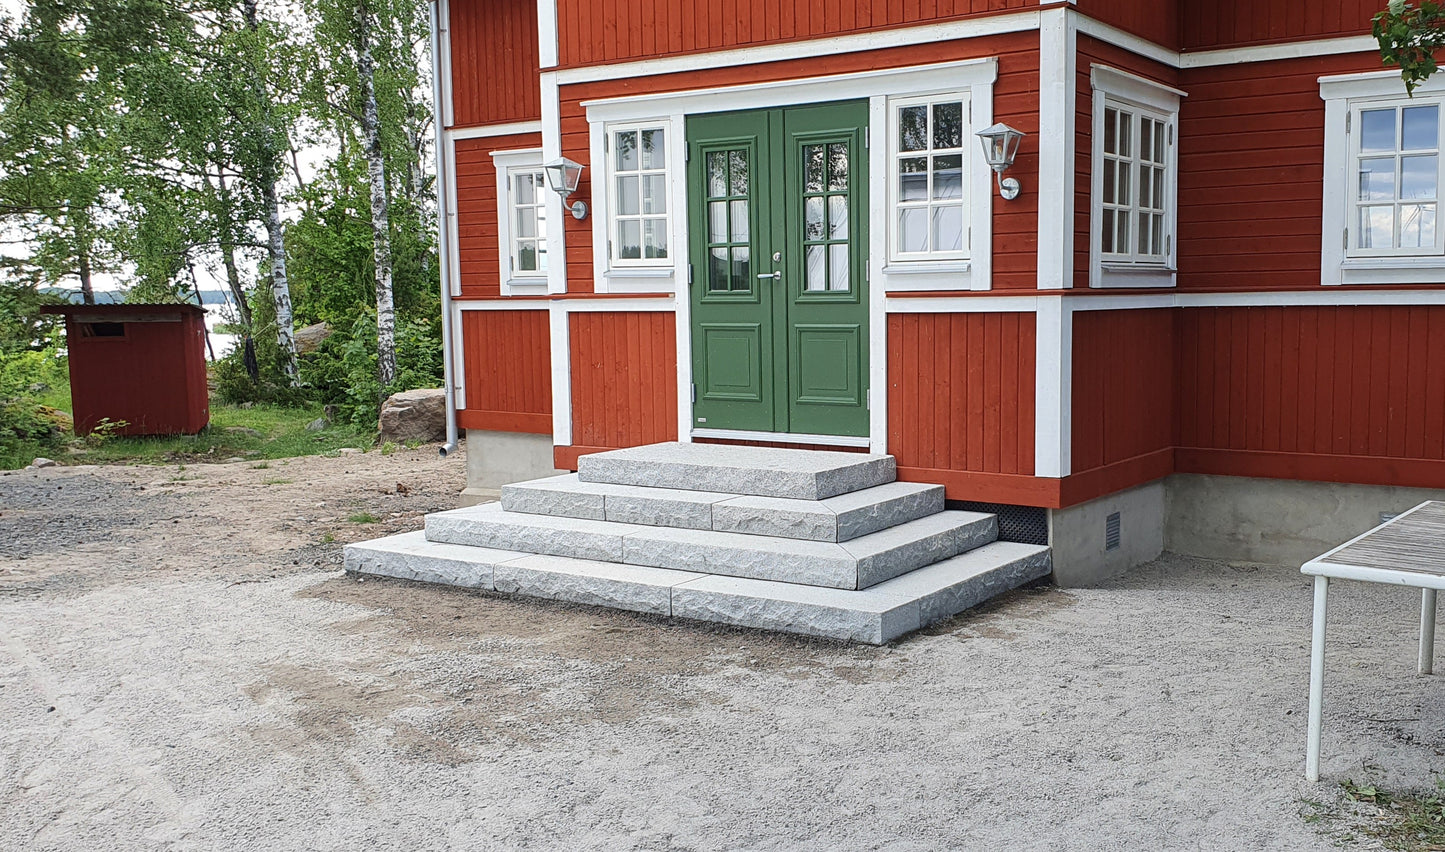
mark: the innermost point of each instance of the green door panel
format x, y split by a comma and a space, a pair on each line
778, 223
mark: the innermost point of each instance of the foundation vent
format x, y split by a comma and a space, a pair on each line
1023, 524
1111, 532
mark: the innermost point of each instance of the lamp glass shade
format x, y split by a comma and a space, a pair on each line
1000, 145
563, 175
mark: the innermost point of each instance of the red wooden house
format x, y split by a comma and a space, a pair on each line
1211, 320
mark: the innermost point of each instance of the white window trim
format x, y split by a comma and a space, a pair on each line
507, 164
1153, 100
657, 275
1343, 95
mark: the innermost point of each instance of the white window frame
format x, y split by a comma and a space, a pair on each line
896, 255
670, 174
1146, 98
1341, 259
508, 164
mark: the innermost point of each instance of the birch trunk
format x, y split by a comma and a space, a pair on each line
380, 219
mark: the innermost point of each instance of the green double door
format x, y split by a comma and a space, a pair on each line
778, 213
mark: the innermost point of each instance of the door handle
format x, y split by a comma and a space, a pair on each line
777, 276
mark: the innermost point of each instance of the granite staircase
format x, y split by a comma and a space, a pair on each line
818, 543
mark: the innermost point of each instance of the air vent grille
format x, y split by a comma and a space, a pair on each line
1023, 524
1111, 532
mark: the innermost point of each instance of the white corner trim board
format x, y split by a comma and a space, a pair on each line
1053, 390
1057, 109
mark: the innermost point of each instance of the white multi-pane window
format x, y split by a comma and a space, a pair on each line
639, 215
1396, 158
1134, 166
929, 139
529, 223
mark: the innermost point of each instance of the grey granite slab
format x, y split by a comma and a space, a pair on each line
556, 495
629, 587
489, 525
888, 553
949, 587
761, 471
733, 554
568, 496
863, 512
869, 617
840, 518
409, 556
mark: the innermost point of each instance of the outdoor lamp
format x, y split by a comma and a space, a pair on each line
1000, 146
563, 176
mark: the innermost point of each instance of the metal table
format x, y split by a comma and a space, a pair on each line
1407, 550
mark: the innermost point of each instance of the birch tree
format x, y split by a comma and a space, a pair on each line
380, 219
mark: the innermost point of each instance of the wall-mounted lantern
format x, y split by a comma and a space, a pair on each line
1000, 146
563, 175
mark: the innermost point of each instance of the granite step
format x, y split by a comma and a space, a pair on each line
727, 469
875, 615
836, 519
858, 563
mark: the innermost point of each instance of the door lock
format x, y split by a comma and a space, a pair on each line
777, 257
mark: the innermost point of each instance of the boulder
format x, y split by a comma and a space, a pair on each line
317, 425
41, 462
310, 338
415, 415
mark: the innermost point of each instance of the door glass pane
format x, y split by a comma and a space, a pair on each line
1418, 176
837, 167
1377, 226
627, 151
948, 228
913, 179
1377, 179
816, 277
717, 174
913, 128
742, 268
740, 220
838, 266
813, 168
1377, 130
717, 222
837, 217
717, 279
913, 229
948, 177
738, 184
948, 125
813, 224
1421, 130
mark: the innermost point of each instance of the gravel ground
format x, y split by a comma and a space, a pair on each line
184, 666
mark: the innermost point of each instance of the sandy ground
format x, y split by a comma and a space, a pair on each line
184, 666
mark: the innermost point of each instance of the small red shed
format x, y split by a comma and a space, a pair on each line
141, 364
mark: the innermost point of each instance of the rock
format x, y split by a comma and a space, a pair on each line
246, 431
42, 462
317, 425
415, 415
310, 338
60, 421
349, 451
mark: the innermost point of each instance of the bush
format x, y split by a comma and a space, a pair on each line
27, 428
342, 373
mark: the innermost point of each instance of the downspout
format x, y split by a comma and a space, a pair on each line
443, 233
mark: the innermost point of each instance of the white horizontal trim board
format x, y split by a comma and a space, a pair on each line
782, 437
488, 130
1144, 301
502, 304
662, 302
962, 304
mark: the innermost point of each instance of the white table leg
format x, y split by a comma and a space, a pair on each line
1427, 631
1317, 679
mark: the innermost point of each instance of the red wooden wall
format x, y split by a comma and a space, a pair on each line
507, 368
1123, 388
477, 248
495, 65
1016, 101
624, 379
153, 378
961, 399
1208, 24
596, 31
1155, 20
1351, 394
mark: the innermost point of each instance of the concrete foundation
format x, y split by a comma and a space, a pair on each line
495, 459
1278, 521
1078, 535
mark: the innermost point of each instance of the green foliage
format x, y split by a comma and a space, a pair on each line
1409, 36
27, 428
343, 372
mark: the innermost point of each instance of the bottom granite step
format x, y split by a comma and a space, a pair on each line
874, 615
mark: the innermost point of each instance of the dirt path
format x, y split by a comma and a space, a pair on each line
184, 666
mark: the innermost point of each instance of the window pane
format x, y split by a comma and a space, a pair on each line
815, 276
913, 229
526, 223
948, 176
813, 224
1417, 225
1421, 131
1159, 139
1111, 131
948, 125
526, 256
837, 167
1125, 194
653, 155
1121, 233
627, 151
627, 196
629, 239
541, 212
738, 183
837, 217
717, 222
1419, 176
654, 194
1126, 134
1108, 231
654, 238
913, 128
1146, 187
1377, 227
1377, 130
838, 267
1146, 138
718, 270
913, 179
948, 228
1377, 179
813, 167
1111, 195
742, 267
525, 194
717, 174
740, 220
1159, 201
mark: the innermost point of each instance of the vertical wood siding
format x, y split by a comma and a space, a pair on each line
1123, 386
495, 63
598, 31
478, 263
624, 378
1209, 24
1016, 101
507, 370
961, 392
153, 378
1251, 172
1150, 19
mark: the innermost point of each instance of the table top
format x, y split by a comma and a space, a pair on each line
1412, 543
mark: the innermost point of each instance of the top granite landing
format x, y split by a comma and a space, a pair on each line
758, 471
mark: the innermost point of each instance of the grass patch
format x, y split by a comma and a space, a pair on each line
1403, 822
275, 482
363, 518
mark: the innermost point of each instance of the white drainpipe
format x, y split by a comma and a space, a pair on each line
443, 235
